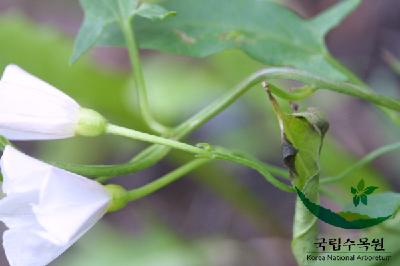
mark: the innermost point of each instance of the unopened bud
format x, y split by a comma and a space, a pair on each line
90, 123
119, 197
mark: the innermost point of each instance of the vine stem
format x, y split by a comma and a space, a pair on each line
163, 181
207, 152
289, 74
137, 135
137, 71
154, 153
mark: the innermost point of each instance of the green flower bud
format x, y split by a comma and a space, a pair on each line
119, 197
90, 123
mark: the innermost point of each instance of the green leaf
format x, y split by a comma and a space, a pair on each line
364, 199
303, 133
356, 200
369, 190
353, 190
360, 185
264, 30
98, 15
103, 17
321, 24
302, 136
153, 12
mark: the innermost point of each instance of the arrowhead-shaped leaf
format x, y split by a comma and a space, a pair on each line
353, 190
265, 30
329, 19
102, 20
98, 16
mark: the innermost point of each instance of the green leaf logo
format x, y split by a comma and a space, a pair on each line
360, 185
360, 194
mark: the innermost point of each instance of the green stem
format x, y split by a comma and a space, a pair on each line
365, 160
140, 85
255, 164
153, 154
283, 73
208, 152
278, 171
165, 180
143, 160
137, 135
296, 95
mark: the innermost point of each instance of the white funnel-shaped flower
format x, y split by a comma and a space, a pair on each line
45, 208
31, 109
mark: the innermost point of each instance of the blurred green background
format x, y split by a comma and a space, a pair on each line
222, 214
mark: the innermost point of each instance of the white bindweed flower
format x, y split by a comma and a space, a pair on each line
31, 109
45, 208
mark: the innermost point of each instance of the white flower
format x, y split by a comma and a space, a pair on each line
31, 109
45, 208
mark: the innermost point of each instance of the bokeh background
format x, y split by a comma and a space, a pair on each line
221, 214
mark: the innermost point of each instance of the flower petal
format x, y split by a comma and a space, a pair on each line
23, 127
33, 108
46, 209
22, 173
70, 204
16, 210
27, 248
18, 77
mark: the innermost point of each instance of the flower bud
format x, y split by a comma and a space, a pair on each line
119, 197
90, 123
